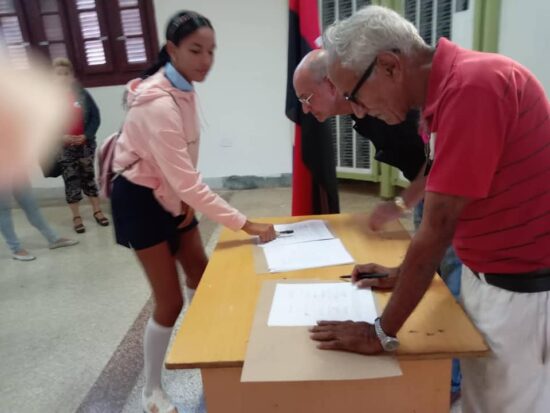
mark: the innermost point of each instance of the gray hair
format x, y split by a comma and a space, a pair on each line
357, 40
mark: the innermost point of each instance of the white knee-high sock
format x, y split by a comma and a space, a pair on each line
190, 295
155, 342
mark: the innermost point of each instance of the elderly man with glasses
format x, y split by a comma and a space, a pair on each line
487, 192
397, 145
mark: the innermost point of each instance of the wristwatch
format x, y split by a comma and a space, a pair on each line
400, 203
388, 343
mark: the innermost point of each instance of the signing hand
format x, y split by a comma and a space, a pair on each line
266, 232
381, 283
349, 336
382, 214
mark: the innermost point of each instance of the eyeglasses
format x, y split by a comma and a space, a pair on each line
352, 96
306, 101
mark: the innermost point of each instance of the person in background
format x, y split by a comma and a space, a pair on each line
159, 186
23, 195
79, 145
32, 114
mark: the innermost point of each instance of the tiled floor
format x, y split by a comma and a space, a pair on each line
72, 321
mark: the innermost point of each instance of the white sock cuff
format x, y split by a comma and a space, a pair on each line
190, 294
157, 328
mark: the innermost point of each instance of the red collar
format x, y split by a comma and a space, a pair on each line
442, 63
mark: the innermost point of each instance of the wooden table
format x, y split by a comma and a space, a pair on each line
214, 334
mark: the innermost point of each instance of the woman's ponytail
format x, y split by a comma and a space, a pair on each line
162, 59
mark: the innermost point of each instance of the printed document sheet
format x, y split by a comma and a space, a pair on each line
305, 304
316, 254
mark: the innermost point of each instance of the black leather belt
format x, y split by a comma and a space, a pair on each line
527, 282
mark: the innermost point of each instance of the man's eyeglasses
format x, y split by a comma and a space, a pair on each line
306, 101
352, 96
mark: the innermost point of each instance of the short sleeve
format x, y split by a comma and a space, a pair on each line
468, 142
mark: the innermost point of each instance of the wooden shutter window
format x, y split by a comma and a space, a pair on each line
92, 34
52, 27
132, 35
11, 30
108, 41
48, 6
85, 4
7, 7
53, 31
12, 34
127, 3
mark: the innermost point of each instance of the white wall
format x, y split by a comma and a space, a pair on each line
524, 35
462, 32
243, 99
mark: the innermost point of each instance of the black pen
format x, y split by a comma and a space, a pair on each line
285, 232
365, 275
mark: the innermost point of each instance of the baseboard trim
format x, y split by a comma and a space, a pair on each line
56, 195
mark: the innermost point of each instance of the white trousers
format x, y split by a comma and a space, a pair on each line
515, 378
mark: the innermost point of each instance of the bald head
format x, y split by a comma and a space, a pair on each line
312, 68
314, 89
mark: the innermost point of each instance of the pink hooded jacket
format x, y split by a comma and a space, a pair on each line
163, 132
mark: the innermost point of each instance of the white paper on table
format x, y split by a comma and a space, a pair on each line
304, 231
316, 254
305, 304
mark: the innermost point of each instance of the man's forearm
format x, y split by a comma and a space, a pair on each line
415, 275
441, 213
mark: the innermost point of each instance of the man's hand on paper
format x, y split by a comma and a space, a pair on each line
355, 337
386, 283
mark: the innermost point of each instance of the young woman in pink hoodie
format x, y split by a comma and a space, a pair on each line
154, 197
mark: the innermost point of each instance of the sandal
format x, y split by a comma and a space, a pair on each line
79, 228
103, 221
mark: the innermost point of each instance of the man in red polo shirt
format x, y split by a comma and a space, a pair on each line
487, 192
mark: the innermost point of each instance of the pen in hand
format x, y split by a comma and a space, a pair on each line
285, 232
365, 275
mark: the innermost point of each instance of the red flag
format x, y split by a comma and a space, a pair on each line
314, 183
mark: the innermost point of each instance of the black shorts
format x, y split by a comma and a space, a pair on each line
140, 221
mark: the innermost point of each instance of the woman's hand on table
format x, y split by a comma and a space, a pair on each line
266, 232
